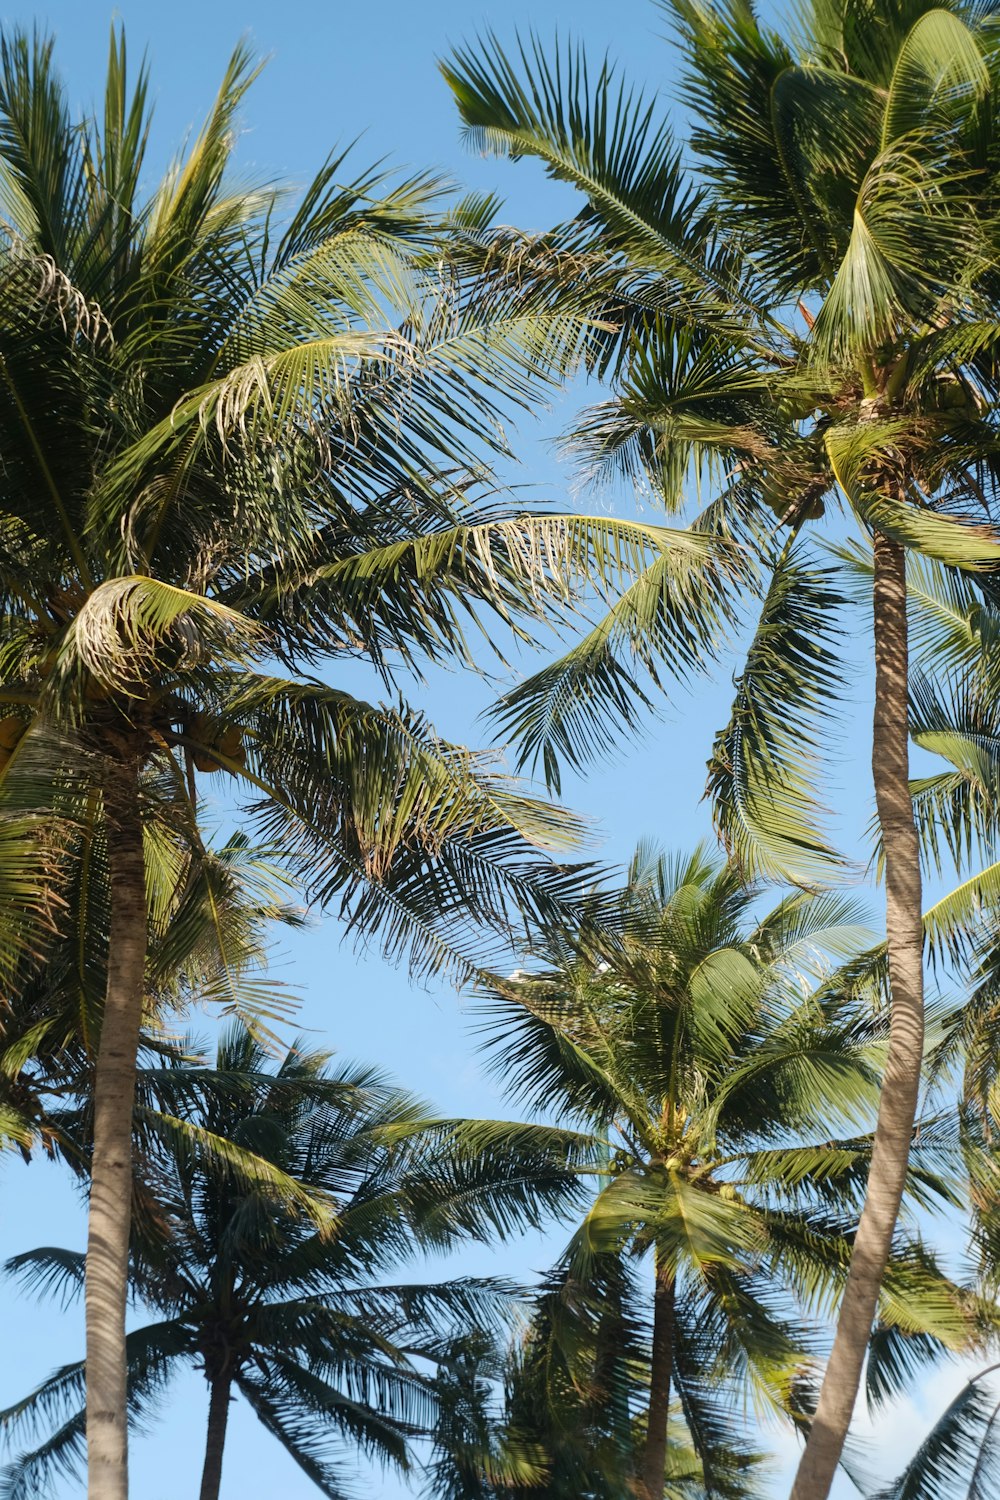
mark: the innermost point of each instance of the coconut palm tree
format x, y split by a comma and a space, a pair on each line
802, 315
517, 1426
478, 1454
244, 434
299, 1321
728, 1080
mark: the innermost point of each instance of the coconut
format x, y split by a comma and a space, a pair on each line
11, 730
231, 743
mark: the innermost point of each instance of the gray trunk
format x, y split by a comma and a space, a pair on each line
218, 1417
901, 1084
111, 1180
654, 1465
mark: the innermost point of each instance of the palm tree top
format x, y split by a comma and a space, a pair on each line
669, 984
801, 316
275, 1205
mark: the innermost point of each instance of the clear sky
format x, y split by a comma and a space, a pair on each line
338, 71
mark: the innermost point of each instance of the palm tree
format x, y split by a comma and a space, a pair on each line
520, 1426
728, 1080
300, 1321
807, 320
243, 434
478, 1454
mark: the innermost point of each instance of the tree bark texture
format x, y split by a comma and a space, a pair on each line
901, 1083
654, 1466
111, 1180
218, 1416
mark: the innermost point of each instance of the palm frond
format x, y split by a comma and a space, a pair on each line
761, 770
959, 1456
605, 140
671, 619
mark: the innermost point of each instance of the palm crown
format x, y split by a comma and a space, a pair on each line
237, 447
807, 318
271, 1206
682, 1030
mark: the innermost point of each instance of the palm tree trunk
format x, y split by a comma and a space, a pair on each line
901, 1084
111, 1179
654, 1466
218, 1416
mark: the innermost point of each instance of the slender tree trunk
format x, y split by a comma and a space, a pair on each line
901, 1084
218, 1416
111, 1180
654, 1465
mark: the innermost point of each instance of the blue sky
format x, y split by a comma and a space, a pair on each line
338, 71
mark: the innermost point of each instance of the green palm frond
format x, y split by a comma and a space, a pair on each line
856, 452
807, 930
920, 1301
958, 806
189, 198
912, 237
509, 563
212, 943
945, 606
49, 1271
602, 138
125, 624
762, 763
727, 1459
670, 619
960, 1454
43, 188
33, 868
32, 1473
949, 920
940, 71
299, 1438
784, 123
896, 1358
195, 1144
685, 412
492, 1178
